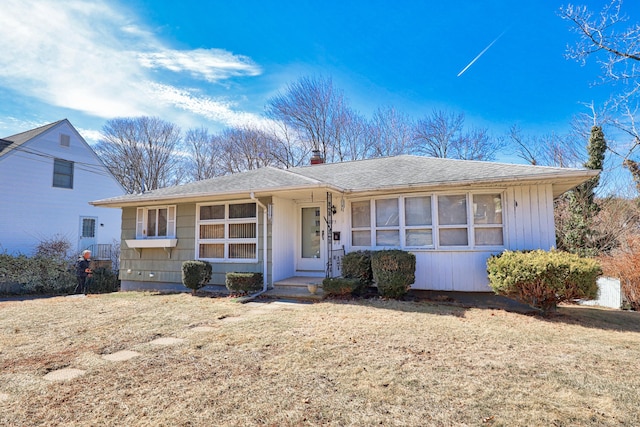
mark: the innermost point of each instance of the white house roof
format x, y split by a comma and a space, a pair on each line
400, 173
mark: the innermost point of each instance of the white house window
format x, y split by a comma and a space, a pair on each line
412, 222
387, 222
418, 221
228, 232
62, 173
88, 227
452, 220
487, 219
361, 223
156, 222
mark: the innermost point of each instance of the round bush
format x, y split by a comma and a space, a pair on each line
543, 279
357, 265
393, 271
196, 274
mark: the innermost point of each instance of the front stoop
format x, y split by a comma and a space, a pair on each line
296, 288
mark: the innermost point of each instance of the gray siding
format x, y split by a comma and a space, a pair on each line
136, 268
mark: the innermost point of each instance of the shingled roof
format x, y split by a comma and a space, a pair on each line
14, 141
399, 173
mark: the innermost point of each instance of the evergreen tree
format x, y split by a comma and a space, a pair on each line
579, 236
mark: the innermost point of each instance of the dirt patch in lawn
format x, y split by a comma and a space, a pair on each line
370, 362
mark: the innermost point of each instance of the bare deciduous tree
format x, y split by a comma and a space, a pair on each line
245, 148
289, 148
390, 133
616, 45
204, 153
141, 152
316, 110
618, 50
351, 135
442, 134
547, 150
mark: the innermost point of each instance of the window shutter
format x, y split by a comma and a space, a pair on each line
140, 224
171, 221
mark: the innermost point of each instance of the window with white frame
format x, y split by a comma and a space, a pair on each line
62, 173
428, 221
387, 222
452, 220
156, 222
418, 222
228, 231
361, 223
487, 220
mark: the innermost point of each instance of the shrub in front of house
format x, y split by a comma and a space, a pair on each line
394, 271
35, 275
196, 274
357, 265
244, 283
341, 287
543, 279
102, 281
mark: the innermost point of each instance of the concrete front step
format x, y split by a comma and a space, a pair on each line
297, 287
299, 281
294, 292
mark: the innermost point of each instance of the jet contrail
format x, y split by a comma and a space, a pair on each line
480, 54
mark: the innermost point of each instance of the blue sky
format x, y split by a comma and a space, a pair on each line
216, 63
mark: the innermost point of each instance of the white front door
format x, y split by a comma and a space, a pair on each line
311, 239
87, 232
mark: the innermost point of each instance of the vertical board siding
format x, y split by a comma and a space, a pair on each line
530, 223
283, 238
452, 271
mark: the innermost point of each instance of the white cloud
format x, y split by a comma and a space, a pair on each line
92, 136
89, 56
210, 64
214, 109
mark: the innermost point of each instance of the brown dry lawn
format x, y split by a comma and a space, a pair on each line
337, 363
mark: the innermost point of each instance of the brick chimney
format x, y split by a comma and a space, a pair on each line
316, 158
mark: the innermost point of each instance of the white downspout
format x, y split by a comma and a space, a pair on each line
264, 245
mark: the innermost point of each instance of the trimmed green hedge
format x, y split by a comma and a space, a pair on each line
244, 282
543, 279
357, 265
103, 280
36, 275
338, 286
196, 274
393, 271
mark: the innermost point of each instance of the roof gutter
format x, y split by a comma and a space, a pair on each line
206, 196
584, 176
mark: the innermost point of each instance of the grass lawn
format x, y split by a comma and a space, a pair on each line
360, 363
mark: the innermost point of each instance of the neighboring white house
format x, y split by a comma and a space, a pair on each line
452, 214
48, 175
